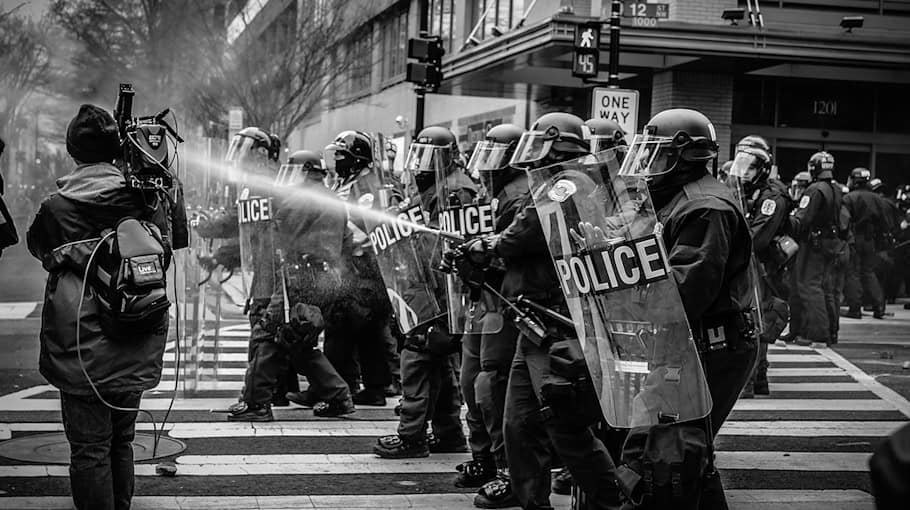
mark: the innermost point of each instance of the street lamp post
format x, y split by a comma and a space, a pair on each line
615, 9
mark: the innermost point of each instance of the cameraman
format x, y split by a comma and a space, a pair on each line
63, 236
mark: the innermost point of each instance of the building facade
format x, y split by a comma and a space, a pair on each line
793, 75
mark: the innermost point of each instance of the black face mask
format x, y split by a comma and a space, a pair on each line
345, 167
424, 180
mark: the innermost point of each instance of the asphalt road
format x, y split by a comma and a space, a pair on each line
805, 446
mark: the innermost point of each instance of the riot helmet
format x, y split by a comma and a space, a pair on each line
876, 185
751, 163
554, 137
604, 134
673, 140
433, 153
903, 196
821, 166
799, 184
302, 168
252, 143
859, 178
490, 160
350, 152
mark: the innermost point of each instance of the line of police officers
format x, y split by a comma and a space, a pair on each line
531, 402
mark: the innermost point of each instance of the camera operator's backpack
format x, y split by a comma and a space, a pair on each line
129, 280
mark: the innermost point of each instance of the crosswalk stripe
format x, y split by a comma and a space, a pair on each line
16, 310
882, 391
804, 372
820, 387
810, 428
794, 358
812, 405
795, 461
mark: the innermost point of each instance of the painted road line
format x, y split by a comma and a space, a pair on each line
816, 387
804, 372
343, 464
810, 428
292, 464
812, 405
17, 310
161, 404
223, 357
796, 358
795, 461
882, 391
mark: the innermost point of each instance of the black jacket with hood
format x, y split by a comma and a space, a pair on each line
66, 229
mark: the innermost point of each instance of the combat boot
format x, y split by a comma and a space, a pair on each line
370, 397
852, 314
241, 411
397, 447
456, 444
475, 472
337, 407
496, 493
302, 398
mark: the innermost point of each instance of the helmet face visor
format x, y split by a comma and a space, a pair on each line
649, 156
488, 156
424, 157
239, 149
600, 143
746, 166
532, 147
294, 175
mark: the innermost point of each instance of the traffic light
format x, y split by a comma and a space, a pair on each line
427, 71
587, 50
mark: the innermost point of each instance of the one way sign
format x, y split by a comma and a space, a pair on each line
619, 105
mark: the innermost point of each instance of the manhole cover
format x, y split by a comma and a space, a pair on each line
54, 448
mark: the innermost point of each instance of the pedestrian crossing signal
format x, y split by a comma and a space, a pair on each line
427, 71
586, 57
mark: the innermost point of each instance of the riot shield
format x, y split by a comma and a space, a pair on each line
605, 239
741, 171
468, 210
257, 250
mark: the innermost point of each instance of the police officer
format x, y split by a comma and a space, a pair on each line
709, 247
872, 219
817, 224
530, 418
429, 384
604, 134
486, 357
767, 206
358, 338
309, 246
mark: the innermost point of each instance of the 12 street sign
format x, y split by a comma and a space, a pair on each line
618, 105
645, 10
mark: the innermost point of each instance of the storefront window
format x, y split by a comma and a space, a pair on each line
893, 169
442, 21
893, 108
753, 101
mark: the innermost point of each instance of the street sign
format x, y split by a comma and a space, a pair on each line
645, 10
618, 105
586, 57
235, 119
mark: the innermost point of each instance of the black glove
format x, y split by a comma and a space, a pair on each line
478, 251
305, 324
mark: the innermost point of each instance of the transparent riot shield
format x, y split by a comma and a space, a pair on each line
741, 171
606, 244
257, 250
467, 209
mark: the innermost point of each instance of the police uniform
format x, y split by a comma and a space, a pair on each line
871, 219
709, 248
816, 224
767, 218
536, 429
311, 239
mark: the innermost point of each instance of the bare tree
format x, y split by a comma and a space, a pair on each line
280, 75
24, 60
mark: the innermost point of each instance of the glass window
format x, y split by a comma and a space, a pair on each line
753, 101
394, 44
442, 21
359, 54
893, 105
892, 169
819, 104
790, 160
503, 14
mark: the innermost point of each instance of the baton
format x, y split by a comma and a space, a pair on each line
284, 290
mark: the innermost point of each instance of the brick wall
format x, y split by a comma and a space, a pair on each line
709, 93
706, 12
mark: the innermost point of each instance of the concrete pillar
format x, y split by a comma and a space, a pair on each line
709, 93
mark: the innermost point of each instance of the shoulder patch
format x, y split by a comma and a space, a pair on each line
768, 207
804, 202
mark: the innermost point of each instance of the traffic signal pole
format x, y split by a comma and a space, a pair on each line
615, 9
423, 15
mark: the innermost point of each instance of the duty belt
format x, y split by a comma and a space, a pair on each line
723, 331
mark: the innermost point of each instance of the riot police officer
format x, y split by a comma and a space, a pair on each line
872, 220
301, 263
767, 206
531, 418
486, 357
817, 224
358, 339
709, 247
429, 384
604, 134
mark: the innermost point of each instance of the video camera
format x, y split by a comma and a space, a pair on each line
146, 158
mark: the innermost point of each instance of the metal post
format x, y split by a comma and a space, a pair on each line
615, 8
423, 16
